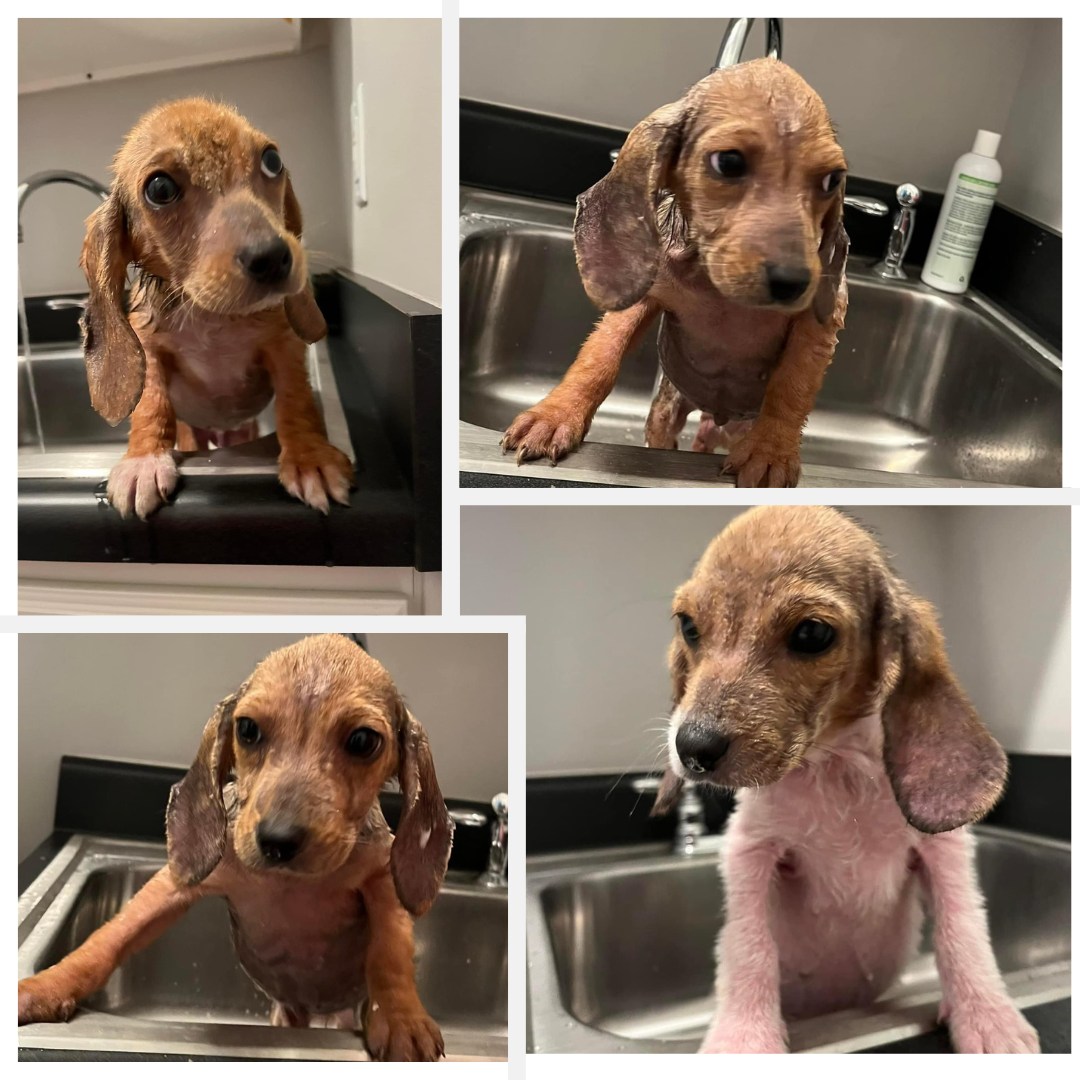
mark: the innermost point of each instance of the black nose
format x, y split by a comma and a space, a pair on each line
267, 263
279, 842
786, 283
700, 747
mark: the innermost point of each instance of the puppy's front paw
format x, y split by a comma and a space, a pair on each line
316, 473
761, 460
401, 1035
41, 1000
994, 1027
737, 1036
142, 483
544, 431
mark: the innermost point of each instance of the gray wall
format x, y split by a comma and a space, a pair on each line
596, 586
907, 95
81, 128
146, 698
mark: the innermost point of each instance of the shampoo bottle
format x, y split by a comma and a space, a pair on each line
969, 198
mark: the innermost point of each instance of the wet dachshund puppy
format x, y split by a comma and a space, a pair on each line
808, 678
221, 310
279, 814
723, 216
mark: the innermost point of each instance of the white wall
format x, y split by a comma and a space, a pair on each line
81, 128
596, 586
907, 95
146, 698
396, 237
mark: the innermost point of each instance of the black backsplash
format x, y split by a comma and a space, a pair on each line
546, 157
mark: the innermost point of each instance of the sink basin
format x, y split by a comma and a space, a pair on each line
187, 993
620, 946
79, 443
925, 389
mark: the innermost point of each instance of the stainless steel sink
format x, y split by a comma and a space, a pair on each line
925, 389
187, 994
620, 949
79, 443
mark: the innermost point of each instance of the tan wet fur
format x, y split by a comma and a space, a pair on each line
663, 234
330, 928
205, 343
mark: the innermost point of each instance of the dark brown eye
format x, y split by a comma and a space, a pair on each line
161, 189
810, 637
364, 742
729, 164
271, 163
688, 630
831, 182
247, 731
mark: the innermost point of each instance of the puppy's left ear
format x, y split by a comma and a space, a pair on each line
672, 784
422, 840
300, 309
833, 252
945, 768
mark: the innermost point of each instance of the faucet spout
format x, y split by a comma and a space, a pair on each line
731, 48
57, 176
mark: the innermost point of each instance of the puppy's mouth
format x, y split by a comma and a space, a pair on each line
280, 848
701, 752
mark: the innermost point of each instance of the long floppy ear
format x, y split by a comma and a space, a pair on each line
300, 309
422, 840
195, 821
945, 768
616, 239
115, 362
833, 252
672, 784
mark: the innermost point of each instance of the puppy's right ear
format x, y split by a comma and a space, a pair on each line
115, 362
616, 239
672, 784
195, 822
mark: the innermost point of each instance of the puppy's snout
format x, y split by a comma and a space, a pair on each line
786, 282
700, 747
279, 841
267, 263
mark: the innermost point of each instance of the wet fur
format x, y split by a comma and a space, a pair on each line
331, 928
204, 346
663, 235
857, 770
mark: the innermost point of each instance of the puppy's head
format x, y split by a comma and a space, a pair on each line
792, 627
308, 742
202, 202
754, 165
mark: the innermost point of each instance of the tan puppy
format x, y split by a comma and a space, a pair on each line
279, 814
221, 310
723, 214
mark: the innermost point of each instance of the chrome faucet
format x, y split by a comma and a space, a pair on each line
731, 48
892, 266
57, 176
495, 876
690, 823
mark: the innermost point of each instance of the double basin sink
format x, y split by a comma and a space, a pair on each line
925, 389
620, 949
186, 993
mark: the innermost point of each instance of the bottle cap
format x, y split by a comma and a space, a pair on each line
986, 143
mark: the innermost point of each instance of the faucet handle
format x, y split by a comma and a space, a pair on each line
501, 805
892, 266
908, 195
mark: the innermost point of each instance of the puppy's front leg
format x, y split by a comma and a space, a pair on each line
53, 994
768, 455
396, 1025
558, 424
309, 467
748, 1019
146, 475
981, 1017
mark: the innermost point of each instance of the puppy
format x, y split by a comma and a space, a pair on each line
202, 204
810, 679
723, 215
279, 814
